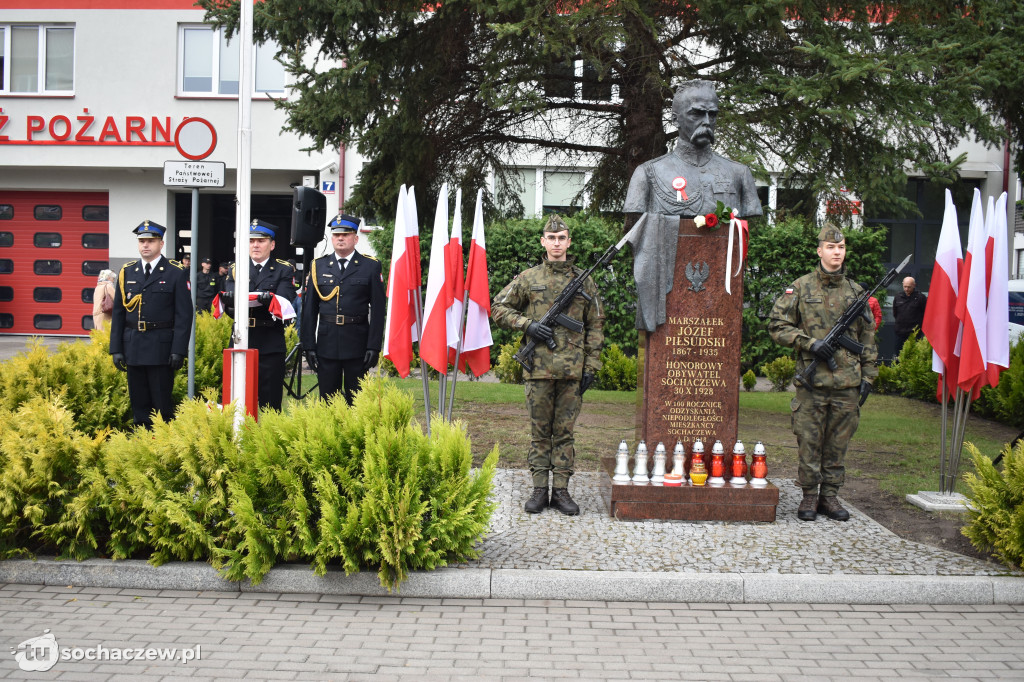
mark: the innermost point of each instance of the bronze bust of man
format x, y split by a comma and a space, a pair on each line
687, 182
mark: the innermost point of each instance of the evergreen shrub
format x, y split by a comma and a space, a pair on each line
995, 519
507, 369
780, 372
43, 460
618, 370
362, 487
749, 380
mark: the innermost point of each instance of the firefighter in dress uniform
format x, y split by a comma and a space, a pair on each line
342, 327
267, 277
150, 325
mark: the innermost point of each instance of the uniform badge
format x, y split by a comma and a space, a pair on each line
789, 290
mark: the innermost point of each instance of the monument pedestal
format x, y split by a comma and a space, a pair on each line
640, 502
690, 379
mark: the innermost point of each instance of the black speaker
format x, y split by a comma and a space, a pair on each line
309, 217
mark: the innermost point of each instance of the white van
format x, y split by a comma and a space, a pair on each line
1016, 291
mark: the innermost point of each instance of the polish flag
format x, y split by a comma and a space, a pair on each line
941, 326
476, 346
998, 312
434, 342
400, 325
456, 279
218, 307
970, 305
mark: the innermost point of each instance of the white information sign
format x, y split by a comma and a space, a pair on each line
194, 173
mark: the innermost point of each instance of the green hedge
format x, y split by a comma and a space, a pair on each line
361, 487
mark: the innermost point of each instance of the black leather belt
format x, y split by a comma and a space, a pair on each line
253, 322
144, 326
350, 319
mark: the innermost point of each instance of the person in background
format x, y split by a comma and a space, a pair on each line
908, 310
876, 309
104, 293
207, 285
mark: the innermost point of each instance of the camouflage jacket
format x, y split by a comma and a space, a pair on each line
526, 298
806, 312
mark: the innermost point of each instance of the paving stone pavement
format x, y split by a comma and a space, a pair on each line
594, 541
269, 636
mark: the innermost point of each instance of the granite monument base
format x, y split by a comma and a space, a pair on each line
640, 502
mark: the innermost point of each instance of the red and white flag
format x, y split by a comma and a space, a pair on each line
434, 341
400, 325
477, 341
998, 311
970, 305
941, 326
456, 279
280, 308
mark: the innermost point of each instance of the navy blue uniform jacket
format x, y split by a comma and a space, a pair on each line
359, 293
163, 299
276, 278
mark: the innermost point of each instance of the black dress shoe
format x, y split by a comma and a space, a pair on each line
830, 507
538, 502
808, 510
561, 501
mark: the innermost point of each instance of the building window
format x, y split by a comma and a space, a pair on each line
37, 59
208, 64
563, 192
47, 240
95, 240
577, 80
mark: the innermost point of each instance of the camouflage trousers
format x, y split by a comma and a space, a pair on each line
554, 405
824, 421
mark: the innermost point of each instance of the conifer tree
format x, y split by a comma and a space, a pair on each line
842, 94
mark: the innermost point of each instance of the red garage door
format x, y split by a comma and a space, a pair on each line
53, 246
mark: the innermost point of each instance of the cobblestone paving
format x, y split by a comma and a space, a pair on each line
594, 541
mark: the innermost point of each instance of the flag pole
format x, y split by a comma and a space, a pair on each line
942, 436
458, 350
418, 307
963, 405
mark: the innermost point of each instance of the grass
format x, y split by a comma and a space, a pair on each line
897, 442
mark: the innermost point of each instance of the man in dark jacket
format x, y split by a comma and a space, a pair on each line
908, 309
150, 325
342, 328
268, 277
207, 285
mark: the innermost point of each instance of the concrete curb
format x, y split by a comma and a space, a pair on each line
486, 583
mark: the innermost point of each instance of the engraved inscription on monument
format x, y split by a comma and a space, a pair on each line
694, 373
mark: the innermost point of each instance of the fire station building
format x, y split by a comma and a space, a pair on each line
92, 95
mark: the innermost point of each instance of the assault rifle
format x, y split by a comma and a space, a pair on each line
837, 337
556, 313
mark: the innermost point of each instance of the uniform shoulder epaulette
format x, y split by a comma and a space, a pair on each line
283, 262
176, 263
366, 255
129, 264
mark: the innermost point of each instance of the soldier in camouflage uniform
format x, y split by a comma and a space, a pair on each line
825, 416
555, 387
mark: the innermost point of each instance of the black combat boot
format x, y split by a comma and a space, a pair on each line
830, 507
538, 502
808, 507
561, 501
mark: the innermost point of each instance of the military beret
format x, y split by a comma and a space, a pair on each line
150, 230
261, 230
831, 233
555, 223
343, 224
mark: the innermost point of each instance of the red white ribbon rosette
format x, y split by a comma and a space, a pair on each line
741, 229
